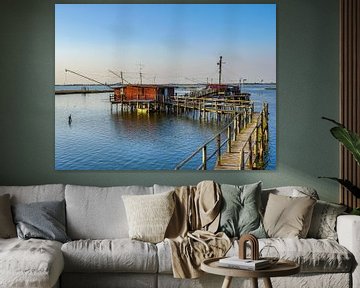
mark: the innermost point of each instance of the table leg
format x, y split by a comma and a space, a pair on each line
254, 282
227, 282
267, 283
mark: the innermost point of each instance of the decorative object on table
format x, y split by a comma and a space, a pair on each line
269, 253
247, 264
351, 142
254, 246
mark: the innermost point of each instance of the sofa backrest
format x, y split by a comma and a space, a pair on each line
293, 191
98, 212
36, 193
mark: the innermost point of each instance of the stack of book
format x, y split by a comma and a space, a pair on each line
248, 264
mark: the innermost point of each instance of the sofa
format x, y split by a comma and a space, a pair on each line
100, 253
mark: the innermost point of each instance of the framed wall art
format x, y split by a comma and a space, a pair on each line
165, 86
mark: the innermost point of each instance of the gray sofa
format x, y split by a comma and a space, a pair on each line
101, 254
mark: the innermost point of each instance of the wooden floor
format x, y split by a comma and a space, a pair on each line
231, 161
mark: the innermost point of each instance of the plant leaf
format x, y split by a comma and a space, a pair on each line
333, 121
349, 139
347, 184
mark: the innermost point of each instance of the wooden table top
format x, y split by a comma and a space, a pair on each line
281, 268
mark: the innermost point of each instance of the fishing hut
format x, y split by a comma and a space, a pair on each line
228, 91
142, 97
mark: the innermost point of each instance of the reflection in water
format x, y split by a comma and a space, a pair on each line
101, 139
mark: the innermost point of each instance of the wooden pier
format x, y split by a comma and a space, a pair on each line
244, 147
247, 148
241, 145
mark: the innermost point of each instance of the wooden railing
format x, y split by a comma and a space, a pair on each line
256, 141
252, 152
230, 132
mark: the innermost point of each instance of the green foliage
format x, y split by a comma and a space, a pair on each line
351, 141
348, 185
348, 138
355, 211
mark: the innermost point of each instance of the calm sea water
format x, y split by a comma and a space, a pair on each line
101, 139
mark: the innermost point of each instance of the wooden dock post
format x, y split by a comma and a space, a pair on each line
229, 139
235, 128
204, 158
218, 149
250, 152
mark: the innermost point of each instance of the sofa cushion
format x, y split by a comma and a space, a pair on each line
163, 188
7, 226
240, 210
43, 220
291, 191
149, 215
98, 213
116, 255
287, 216
30, 263
313, 255
323, 222
36, 193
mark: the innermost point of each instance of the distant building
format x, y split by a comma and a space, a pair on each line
156, 93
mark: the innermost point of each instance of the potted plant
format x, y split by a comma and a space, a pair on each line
351, 141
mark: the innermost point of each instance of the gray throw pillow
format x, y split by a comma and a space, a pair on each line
240, 213
44, 220
7, 227
323, 222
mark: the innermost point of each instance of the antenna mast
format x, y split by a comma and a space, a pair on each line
220, 63
121, 76
141, 74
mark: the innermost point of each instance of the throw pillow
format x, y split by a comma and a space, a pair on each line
44, 220
240, 213
7, 227
288, 217
149, 215
323, 222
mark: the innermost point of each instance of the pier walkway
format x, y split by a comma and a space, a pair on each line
238, 156
244, 147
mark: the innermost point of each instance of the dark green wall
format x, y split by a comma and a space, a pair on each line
307, 74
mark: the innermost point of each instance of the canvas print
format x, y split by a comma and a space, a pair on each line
165, 86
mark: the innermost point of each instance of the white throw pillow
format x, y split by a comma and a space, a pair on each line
149, 215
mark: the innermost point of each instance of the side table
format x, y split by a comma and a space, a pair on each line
281, 268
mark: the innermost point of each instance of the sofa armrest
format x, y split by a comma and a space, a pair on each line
348, 230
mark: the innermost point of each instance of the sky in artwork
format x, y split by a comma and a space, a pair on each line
167, 43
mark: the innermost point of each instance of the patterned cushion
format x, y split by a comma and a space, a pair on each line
323, 223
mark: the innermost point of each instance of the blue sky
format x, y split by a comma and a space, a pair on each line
174, 43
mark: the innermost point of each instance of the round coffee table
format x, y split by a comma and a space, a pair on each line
281, 268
